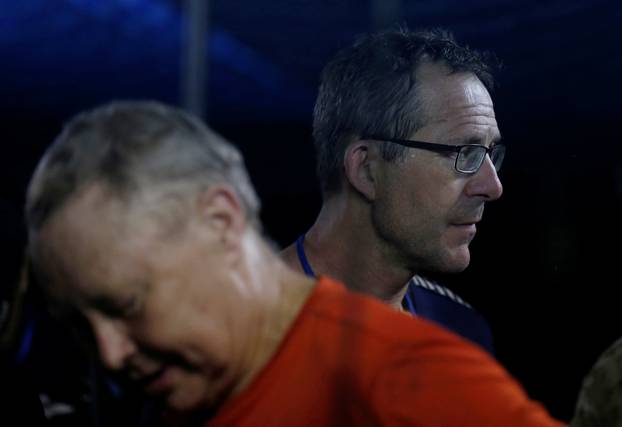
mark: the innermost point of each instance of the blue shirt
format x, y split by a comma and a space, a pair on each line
434, 302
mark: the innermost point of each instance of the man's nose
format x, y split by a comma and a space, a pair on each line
485, 182
113, 342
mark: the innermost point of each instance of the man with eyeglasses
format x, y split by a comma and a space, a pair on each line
408, 151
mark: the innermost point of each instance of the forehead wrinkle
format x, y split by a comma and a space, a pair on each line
82, 238
473, 128
479, 119
449, 110
480, 114
474, 109
455, 94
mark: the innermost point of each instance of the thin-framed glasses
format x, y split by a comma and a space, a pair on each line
470, 156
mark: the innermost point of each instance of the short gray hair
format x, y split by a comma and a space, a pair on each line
371, 88
132, 146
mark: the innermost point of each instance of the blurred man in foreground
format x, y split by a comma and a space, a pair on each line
143, 225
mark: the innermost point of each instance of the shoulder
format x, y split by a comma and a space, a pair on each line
435, 302
434, 287
447, 372
385, 340
607, 371
599, 400
371, 319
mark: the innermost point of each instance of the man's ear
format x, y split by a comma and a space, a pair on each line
360, 168
221, 210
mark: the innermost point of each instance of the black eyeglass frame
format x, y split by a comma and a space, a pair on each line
431, 146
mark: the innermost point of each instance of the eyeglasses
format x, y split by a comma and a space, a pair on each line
470, 156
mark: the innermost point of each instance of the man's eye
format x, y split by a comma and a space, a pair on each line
448, 154
117, 309
132, 306
74, 320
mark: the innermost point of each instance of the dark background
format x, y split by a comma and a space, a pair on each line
545, 262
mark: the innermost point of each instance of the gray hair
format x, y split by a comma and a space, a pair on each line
370, 88
132, 147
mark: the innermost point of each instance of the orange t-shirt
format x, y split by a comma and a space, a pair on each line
349, 360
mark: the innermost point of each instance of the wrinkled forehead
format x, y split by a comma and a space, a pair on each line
86, 216
459, 103
440, 88
75, 248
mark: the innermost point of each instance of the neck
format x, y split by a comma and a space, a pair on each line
343, 244
281, 293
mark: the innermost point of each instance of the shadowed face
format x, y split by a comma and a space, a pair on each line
424, 209
155, 302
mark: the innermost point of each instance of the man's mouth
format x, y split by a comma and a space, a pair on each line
469, 226
155, 382
466, 223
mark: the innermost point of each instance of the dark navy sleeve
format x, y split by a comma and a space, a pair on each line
440, 305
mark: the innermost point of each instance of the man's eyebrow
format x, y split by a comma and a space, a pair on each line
61, 308
496, 140
104, 303
480, 141
55, 300
116, 306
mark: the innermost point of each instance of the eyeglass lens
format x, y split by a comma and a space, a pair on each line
471, 158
